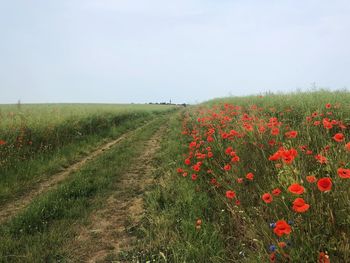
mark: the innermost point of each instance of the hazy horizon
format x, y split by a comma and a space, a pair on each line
113, 51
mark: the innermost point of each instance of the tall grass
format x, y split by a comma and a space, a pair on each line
237, 152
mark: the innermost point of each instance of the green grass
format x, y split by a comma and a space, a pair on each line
31, 130
168, 232
23, 175
232, 233
41, 232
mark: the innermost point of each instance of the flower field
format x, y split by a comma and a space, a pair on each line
279, 164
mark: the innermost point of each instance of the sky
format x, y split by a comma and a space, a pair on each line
123, 51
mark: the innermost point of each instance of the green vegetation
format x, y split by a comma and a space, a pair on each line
237, 223
41, 231
43, 139
252, 179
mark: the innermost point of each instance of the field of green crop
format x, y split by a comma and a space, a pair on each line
239, 179
38, 140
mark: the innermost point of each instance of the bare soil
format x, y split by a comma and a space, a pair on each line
109, 229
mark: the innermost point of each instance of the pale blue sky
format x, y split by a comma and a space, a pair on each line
186, 50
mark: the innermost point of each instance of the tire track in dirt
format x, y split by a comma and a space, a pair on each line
12, 208
107, 233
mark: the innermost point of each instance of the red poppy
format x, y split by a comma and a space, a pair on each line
347, 146
275, 131
309, 152
194, 177
239, 180
328, 106
311, 178
300, 206
282, 228
250, 176
327, 124
2, 142
272, 257
296, 189
339, 137
267, 198
227, 167
276, 192
291, 134
188, 161
321, 159
228, 150
344, 173
180, 170
230, 194
324, 184
282, 244
323, 258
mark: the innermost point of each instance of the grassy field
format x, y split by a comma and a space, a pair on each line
40, 140
240, 179
254, 179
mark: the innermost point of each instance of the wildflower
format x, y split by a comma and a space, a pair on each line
311, 178
273, 257
282, 244
267, 198
239, 180
347, 146
180, 170
339, 137
276, 192
324, 184
300, 206
250, 176
344, 173
323, 258
230, 194
291, 134
327, 124
2, 142
282, 228
227, 167
296, 189
198, 224
275, 131
328, 106
272, 248
321, 159
194, 177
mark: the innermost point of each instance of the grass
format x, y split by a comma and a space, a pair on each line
241, 232
41, 232
30, 130
168, 232
23, 175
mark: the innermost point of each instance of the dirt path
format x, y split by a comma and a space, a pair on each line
12, 208
107, 234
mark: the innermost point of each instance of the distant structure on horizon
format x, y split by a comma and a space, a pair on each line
168, 103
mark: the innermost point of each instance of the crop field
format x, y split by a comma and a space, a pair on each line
238, 179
